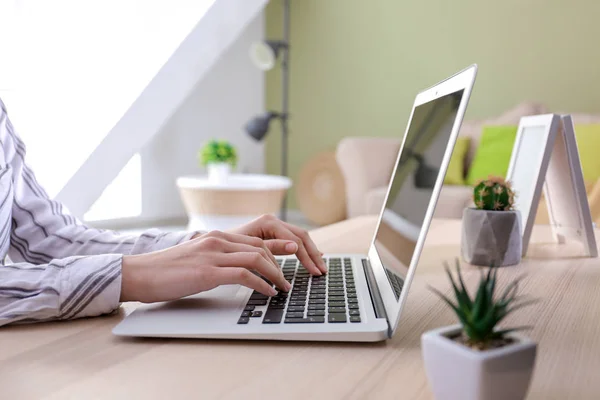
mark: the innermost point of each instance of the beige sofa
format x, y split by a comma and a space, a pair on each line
367, 163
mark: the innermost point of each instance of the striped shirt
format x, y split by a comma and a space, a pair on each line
59, 268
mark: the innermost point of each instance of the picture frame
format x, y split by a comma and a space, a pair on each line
545, 157
528, 165
564, 190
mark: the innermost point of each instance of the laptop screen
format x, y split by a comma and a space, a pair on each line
413, 183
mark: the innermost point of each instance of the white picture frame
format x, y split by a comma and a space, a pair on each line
545, 157
528, 165
564, 190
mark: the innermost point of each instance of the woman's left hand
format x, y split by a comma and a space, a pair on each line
282, 238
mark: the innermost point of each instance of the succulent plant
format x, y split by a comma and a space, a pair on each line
218, 151
494, 194
480, 316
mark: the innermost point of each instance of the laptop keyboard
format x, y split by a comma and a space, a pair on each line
330, 298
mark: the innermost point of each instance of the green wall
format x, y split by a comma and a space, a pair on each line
356, 65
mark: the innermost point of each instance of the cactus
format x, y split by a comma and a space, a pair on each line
494, 194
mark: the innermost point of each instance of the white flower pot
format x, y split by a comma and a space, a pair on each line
455, 371
219, 172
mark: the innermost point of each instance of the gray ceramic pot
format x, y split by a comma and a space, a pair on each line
491, 237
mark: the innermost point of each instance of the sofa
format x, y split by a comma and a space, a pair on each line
366, 164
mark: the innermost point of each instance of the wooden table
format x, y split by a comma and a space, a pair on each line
83, 360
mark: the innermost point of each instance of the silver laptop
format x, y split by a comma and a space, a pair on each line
362, 295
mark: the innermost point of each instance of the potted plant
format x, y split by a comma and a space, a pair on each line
475, 359
219, 156
491, 232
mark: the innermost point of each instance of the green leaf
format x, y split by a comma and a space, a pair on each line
520, 305
480, 304
462, 285
447, 300
501, 333
462, 298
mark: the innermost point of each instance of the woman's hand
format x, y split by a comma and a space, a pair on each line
203, 263
280, 237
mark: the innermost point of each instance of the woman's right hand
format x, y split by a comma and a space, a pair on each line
201, 264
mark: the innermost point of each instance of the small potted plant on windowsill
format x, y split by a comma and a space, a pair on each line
475, 360
219, 156
491, 232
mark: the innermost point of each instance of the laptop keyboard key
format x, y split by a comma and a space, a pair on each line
337, 310
294, 315
255, 314
246, 314
354, 312
273, 316
316, 313
243, 320
354, 318
308, 320
336, 317
258, 296
257, 302
249, 308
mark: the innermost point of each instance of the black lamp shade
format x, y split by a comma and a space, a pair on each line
258, 126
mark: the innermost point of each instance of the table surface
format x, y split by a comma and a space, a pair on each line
82, 359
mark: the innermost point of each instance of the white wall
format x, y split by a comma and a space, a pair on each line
220, 105
75, 67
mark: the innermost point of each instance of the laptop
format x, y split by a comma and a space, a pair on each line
360, 299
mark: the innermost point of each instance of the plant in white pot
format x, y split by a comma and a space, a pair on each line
219, 156
476, 360
491, 232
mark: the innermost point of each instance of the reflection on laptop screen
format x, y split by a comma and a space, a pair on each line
412, 186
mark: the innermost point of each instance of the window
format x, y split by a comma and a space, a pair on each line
71, 69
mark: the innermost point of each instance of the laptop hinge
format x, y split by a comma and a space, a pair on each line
375, 294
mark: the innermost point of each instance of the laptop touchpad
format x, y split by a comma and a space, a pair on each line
188, 314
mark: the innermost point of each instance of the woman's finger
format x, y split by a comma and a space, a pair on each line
278, 230
242, 276
252, 241
311, 247
253, 260
282, 247
226, 246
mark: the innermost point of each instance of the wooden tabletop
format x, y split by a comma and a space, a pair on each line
82, 359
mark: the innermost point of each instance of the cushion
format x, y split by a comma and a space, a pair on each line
493, 154
588, 144
495, 148
455, 175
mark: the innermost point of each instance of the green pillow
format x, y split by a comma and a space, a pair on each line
493, 154
455, 175
588, 144
496, 143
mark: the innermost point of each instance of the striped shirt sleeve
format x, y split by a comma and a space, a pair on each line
61, 268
